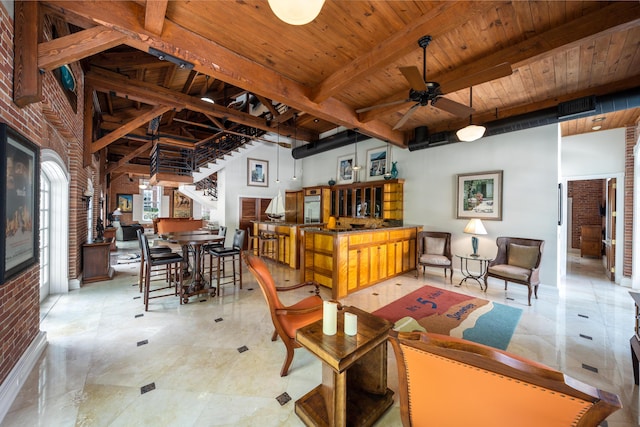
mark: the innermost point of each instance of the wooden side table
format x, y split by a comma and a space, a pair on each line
96, 265
354, 373
110, 233
635, 339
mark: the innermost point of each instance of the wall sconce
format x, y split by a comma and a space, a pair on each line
86, 197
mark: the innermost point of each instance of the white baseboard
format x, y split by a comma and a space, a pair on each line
10, 388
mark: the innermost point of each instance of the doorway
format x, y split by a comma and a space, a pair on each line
251, 209
54, 244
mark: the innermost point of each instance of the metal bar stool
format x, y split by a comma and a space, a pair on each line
225, 254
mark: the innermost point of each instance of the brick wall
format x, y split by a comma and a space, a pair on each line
588, 196
631, 138
50, 124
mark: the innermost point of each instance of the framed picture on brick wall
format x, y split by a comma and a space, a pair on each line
19, 206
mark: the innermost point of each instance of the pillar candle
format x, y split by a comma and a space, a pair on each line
329, 317
350, 324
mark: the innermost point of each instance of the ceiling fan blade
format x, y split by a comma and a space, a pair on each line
406, 116
413, 76
474, 79
453, 107
386, 104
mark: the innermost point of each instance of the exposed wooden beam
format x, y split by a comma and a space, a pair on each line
71, 48
221, 63
154, 12
610, 18
135, 153
155, 95
27, 81
440, 20
125, 129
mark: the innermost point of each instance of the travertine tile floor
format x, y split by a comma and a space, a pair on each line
101, 353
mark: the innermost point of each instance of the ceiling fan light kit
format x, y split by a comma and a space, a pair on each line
296, 12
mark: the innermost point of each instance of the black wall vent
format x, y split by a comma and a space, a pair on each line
576, 107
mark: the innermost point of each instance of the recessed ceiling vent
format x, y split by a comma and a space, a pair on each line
576, 107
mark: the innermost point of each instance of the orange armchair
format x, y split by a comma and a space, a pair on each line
454, 382
286, 319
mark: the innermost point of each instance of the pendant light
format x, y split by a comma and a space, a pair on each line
296, 12
278, 156
294, 144
356, 166
471, 132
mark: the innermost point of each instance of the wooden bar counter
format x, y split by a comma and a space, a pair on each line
349, 260
288, 240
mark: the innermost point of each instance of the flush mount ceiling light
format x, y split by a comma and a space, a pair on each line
471, 132
296, 12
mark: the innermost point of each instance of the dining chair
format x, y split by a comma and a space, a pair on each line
172, 261
224, 254
222, 232
286, 319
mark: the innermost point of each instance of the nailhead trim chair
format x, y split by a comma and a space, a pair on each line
286, 319
434, 250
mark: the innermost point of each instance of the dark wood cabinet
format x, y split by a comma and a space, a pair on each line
96, 263
591, 241
376, 199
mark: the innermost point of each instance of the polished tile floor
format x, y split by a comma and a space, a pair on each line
211, 362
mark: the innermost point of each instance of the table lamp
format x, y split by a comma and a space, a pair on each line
117, 214
474, 226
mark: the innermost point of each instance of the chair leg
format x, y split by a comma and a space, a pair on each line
274, 336
288, 359
529, 294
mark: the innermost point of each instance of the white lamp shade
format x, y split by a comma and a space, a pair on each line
296, 12
471, 133
117, 213
474, 226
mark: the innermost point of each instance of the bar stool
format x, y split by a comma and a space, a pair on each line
225, 254
268, 245
156, 250
169, 260
252, 244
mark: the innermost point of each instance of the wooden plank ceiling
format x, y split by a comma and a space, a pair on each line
344, 61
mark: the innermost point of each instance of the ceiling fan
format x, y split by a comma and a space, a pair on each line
424, 92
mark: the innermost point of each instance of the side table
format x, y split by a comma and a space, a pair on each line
464, 268
354, 373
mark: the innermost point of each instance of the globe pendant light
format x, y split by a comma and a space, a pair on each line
471, 132
296, 12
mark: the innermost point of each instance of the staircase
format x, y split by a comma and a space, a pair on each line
209, 169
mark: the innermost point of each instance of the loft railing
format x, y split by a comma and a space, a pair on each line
209, 187
225, 143
168, 159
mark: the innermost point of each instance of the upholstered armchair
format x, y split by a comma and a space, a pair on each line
447, 381
434, 250
517, 261
286, 318
130, 232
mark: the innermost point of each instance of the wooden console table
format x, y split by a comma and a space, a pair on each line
96, 264
354, 373
635, 339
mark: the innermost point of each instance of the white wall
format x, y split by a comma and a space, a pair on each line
598, 155
594, 153
528, 159
232, 183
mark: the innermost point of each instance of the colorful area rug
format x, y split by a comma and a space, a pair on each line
457, 315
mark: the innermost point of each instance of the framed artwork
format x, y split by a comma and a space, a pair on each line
345, 169
479, 195
181, 205
376, 163
125, 202
19, 208
257, 173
